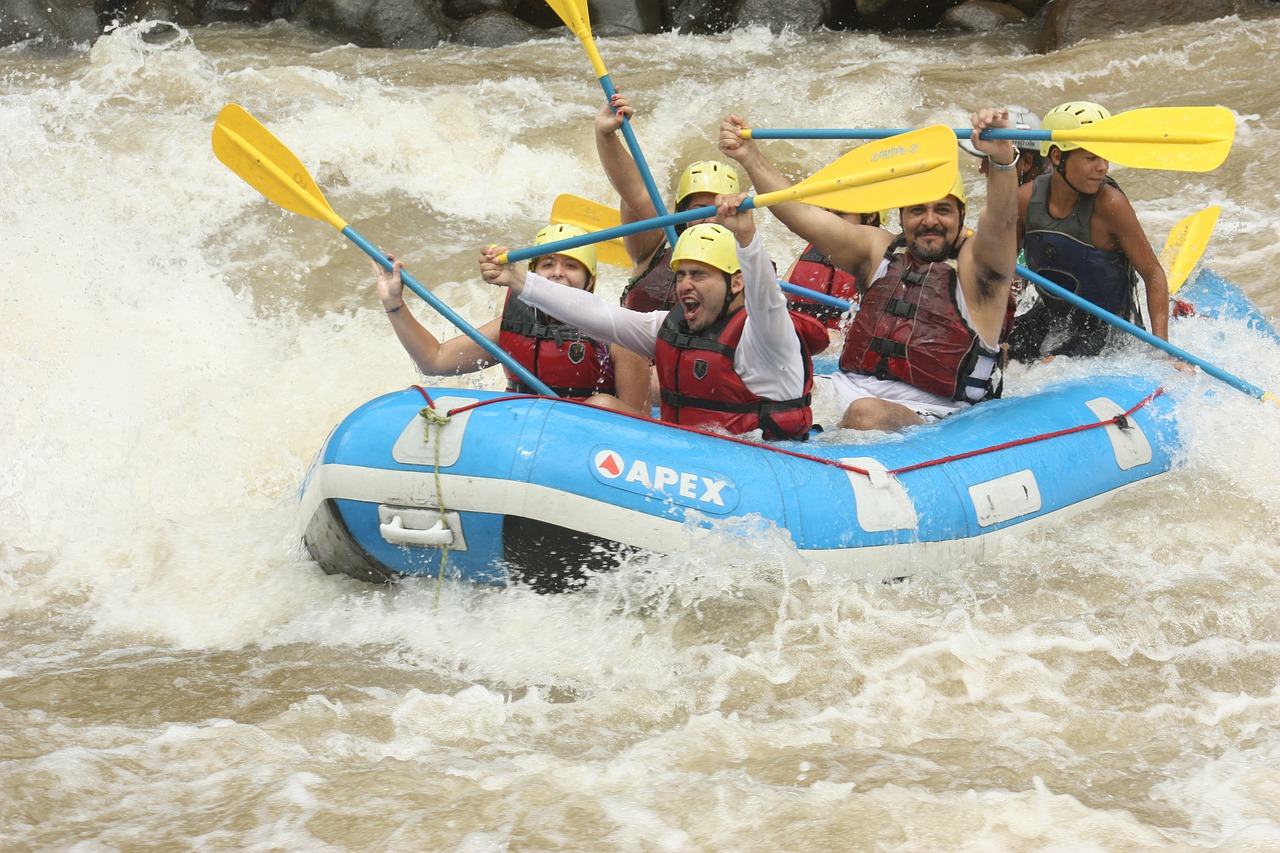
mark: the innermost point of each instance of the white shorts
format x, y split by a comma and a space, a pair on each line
833, 392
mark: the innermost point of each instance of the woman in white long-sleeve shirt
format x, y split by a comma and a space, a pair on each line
729, 355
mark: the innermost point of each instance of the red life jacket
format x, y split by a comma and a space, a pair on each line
700, 387
655, 289
814, 271
909, 328
569, 362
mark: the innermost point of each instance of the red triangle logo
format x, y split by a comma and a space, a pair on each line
610, 465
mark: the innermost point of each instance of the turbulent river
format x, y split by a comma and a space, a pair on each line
176, 674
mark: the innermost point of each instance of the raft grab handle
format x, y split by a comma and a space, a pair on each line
421, 528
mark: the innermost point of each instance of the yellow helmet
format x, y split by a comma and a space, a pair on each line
585, 255
706, 176
709, 243
957, 190
1070, 116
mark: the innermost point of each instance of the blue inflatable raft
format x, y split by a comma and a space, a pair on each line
498, 488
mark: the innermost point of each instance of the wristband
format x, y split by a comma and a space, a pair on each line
397, 308
1002, 167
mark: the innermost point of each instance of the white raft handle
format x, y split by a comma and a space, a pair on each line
436, 536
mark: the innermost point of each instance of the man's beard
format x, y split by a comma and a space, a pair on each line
929, 256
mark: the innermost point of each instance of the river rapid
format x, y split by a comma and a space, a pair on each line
175, 674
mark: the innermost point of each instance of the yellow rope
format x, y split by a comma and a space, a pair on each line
437, 420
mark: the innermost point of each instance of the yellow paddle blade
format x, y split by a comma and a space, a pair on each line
1187, 242
247, 148
1180, 139
911, 168
592, 216
574, 13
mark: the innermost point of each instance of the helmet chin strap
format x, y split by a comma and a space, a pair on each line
728, 297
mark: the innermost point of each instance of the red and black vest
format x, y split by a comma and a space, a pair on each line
569, 362
909, 328
814, 271
700, 388
655, 289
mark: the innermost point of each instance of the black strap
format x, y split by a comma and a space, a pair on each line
886, 347
902, 308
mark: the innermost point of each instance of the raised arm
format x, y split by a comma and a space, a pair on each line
851, 247
634, 330
769, 358
634, 203
988, 258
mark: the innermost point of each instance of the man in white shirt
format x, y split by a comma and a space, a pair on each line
729, 354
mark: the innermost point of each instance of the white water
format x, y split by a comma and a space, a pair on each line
174, 348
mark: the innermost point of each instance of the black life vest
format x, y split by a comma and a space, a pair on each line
1062, 251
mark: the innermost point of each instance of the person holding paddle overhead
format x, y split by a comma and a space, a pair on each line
925, 341
729, 355
566, 360
652, 283
1080, 232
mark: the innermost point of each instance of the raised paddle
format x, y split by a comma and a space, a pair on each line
247, 148
592, 216
575, 15
1179, 139
1187, 242
915, 168
1142, 334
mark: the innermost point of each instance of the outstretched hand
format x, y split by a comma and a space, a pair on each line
502, 275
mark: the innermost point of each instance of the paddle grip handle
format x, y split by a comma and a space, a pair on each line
452, 316
1139, 332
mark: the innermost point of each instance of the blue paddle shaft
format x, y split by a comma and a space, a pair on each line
1138, 332
638, 156
620, 231
814, 295
885, 133
452, 316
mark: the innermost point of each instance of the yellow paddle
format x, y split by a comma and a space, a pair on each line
575, 15
1187, 242
1180, 139
250, 150
914, 168
592, 216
